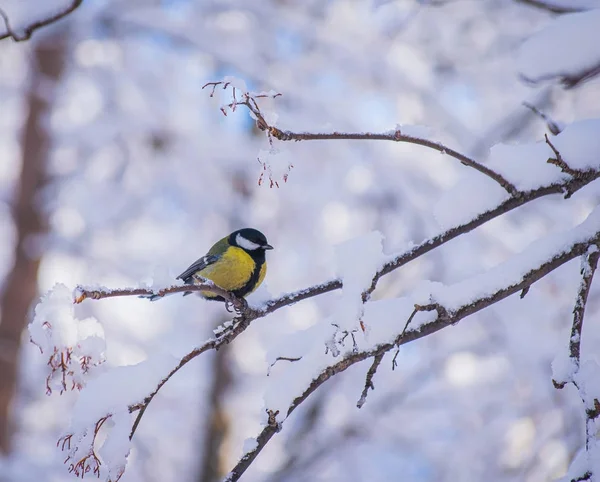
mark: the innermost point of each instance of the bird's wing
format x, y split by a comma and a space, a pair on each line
196, 266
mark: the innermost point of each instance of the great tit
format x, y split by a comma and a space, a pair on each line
236, 263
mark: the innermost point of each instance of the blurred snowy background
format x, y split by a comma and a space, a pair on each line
134, 172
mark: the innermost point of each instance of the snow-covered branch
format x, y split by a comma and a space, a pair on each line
583, 376
521, 272
32, 27
82, 293
439, 309
248, 100
563, 49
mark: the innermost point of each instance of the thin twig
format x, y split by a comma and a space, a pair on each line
29, 29
567, 80
242, 323
410, 318
558, 160
552, 7
249, 101
369, 379
283, 358
553, 127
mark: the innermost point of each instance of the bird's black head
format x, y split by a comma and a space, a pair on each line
249, 240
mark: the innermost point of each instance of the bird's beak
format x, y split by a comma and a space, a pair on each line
267, 246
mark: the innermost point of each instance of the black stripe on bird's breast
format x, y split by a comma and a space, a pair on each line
259, 259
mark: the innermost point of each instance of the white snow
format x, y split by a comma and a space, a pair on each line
110, 395
118, 387
569, 45
579, 143
54, 323
356, 261
563, 368
525, 165
473, 194
58, 332
249, 445
512, 271
588, 382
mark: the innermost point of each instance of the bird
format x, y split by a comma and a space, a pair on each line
237, 263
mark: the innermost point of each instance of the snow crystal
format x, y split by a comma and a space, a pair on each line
567, 46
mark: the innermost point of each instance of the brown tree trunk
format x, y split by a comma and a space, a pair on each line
20, 290
217, 423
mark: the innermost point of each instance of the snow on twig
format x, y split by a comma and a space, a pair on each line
582, 376
248, 100
29, 29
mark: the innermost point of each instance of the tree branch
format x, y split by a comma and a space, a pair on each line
248, 100
590, 262
553, 7
558, 160
552, 125
28, 31
82, 293
445, 318
588, 269
568, 80
247, 315
369, 380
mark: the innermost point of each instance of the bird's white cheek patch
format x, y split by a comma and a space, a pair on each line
246, 243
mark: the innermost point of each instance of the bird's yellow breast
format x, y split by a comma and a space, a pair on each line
232, 271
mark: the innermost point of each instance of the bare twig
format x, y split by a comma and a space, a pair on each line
553, 6
369, 380
249, 101
553, 127
242, 322
283, 358
410, 318
568, 80
558, 160
29, 29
